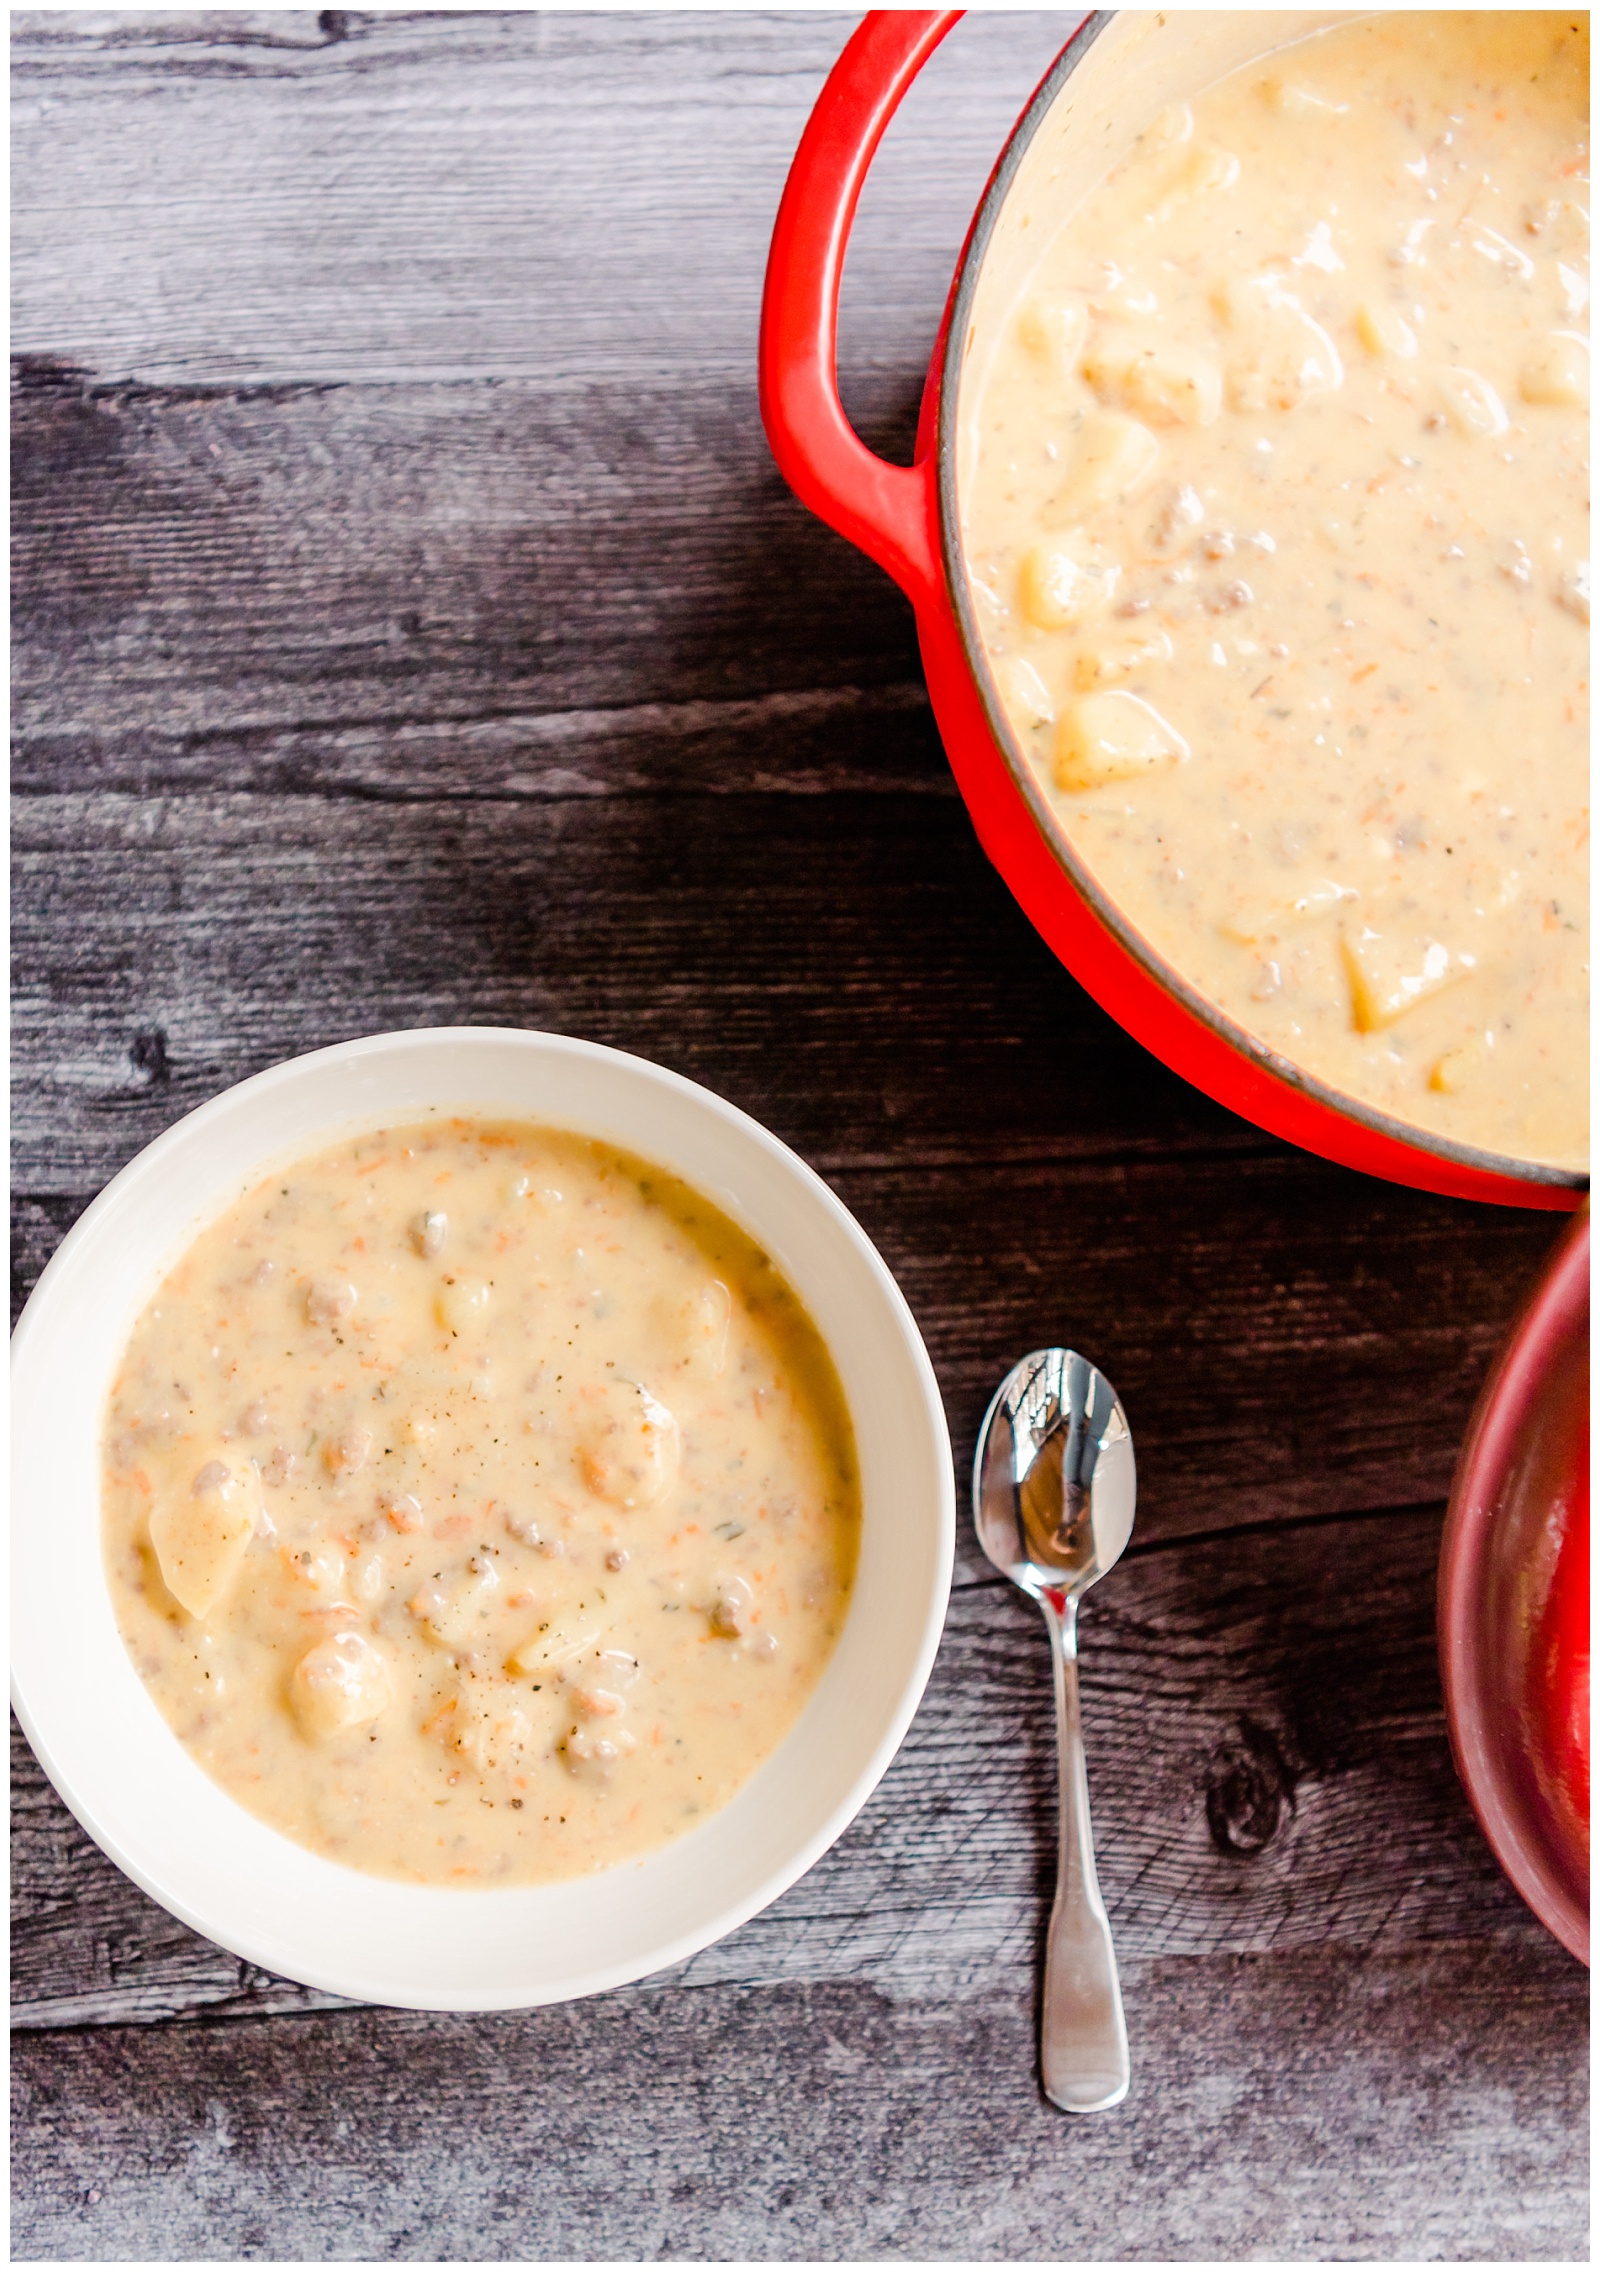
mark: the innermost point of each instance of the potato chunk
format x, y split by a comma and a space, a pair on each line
1120, 657
1053, 331
1206, 169
1470, 402
628, 1445
1112, 737
1391, 970
462, 1304
1115, 462
341, 1683
1166, 385
1573, 590
321, 1569
698, 1323
1458, 1068
1282, 355
453, 1612
201, 1528
563, 1642
1023, 691
1560, 374
1057, 587
1383, 330
597, 1681
487, 1724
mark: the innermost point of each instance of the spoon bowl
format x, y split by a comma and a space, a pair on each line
1053, 1490
1053, 1484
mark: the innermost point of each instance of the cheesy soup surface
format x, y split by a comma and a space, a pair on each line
480, 1505
1274, 484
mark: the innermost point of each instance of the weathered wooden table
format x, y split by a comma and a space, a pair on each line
412, 628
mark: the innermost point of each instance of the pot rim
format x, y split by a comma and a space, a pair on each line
1076, 870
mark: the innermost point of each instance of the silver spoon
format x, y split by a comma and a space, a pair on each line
1052, 1497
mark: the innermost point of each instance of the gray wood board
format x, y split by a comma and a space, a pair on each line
290, 549
1312, 2106
261, 198
410, 628
443, 590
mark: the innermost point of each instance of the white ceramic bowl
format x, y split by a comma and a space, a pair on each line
176, 1833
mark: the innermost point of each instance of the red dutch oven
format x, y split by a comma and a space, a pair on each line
1121, 65
1514, 1600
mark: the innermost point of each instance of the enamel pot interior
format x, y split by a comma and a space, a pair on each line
1119, 70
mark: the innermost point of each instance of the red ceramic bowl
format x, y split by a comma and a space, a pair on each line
1121, 68
1514, 1601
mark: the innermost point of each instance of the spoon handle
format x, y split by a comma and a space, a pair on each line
1083, 2039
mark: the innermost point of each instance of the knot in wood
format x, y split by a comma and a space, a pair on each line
147, 1053
1249, 1791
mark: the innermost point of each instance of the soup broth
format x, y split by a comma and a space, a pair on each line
1274, 494
480, 1504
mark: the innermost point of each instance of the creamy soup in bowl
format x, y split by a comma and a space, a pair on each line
1272, 470
323, 1883
480, 1504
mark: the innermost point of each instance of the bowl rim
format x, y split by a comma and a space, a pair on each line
1555, 1316
721, 1918
1076, 870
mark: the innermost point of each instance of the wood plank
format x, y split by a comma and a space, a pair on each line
1314, 2105
1268, 1762
575, 569
855, 971
221, 199
442, 591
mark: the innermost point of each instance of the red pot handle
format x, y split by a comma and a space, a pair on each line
890, 511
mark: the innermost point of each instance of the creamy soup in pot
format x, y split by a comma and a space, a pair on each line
480, 1504
1274, 489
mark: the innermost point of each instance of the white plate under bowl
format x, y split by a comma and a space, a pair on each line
135, 1789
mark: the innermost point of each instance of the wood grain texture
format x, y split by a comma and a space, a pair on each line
447, 590
576, 566
224, 198
411, 628
1312, 2106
